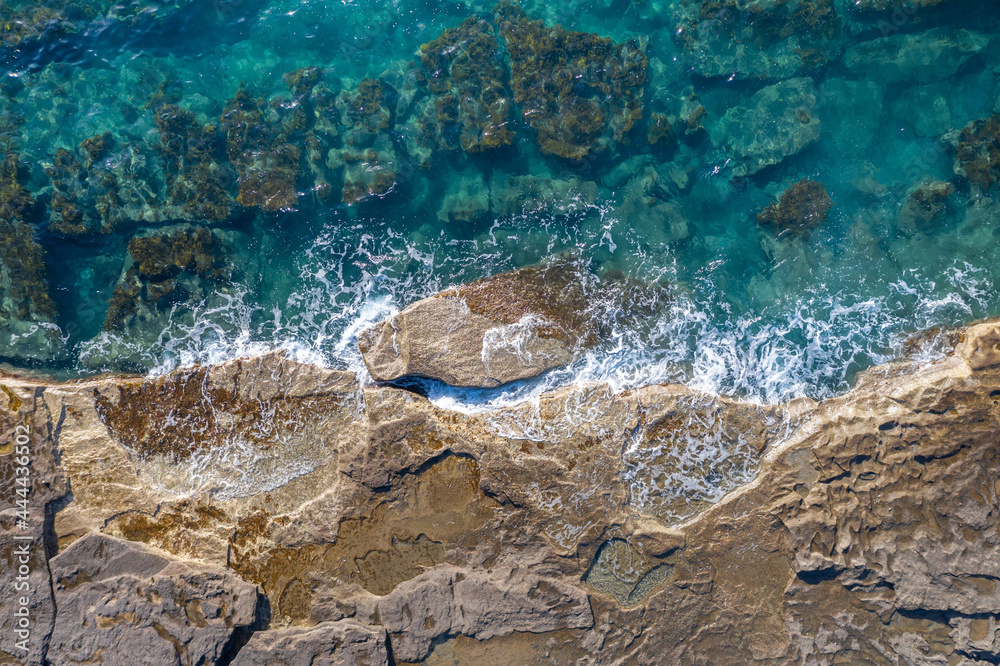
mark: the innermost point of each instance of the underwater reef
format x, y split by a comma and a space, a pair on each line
504, 113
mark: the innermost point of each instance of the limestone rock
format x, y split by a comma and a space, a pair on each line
656, 525
778, 121
118, 600
328, 643
487, 333
31, 482
448, 601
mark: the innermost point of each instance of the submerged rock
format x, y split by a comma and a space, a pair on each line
463, 69
512, 194
756, 39
259, 147
801, 207
28, 315
169, 274
925, 203
162, 265
923, 57
581, 93
778, 121
487, 333
977, 151
466, 198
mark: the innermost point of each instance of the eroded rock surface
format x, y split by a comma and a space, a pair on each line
778, 121
343, 642
659, 525
487, 333
118, 600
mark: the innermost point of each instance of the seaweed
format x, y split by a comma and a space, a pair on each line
22, 22
195, 180
801, 207
977, 152
660, 132
579, 91
463, 70
267, 163
24, 292
15, 201
159, 260
766, 23
925, 203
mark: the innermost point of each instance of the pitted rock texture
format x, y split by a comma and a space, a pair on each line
447, 601
658, 525
487, 333
328, 643
119, 602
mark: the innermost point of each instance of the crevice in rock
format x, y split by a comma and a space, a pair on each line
818, 576
242, 635
391, 660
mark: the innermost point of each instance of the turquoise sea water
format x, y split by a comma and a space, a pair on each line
337, 195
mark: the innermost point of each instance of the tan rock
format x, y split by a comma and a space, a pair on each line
487, 333
660, 525
344, 642
120, 602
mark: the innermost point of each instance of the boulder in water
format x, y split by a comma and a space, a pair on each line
487, 333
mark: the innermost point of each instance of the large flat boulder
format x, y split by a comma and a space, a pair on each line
487, 333
932, 55
120, 602
779, 121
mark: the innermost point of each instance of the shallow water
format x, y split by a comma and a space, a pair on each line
753, 312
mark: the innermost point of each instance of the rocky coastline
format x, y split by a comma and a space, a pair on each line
266, 511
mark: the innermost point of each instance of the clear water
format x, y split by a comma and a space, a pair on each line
753, 314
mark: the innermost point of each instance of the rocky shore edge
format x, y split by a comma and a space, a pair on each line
265, 511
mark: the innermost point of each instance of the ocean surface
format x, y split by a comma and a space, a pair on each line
813, 182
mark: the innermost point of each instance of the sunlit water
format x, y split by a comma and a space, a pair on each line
753, 315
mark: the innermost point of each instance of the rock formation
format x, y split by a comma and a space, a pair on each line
658, 525
497, 330
778, 121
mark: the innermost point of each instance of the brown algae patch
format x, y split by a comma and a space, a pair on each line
554, 292
185, 412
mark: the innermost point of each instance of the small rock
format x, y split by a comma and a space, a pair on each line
924, 203
800, 208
